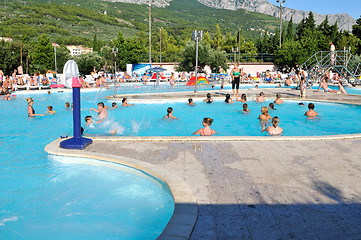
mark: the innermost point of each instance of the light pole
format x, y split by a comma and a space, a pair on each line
160, 44
115, 52
234, 52
56, 67
196, 35
281, 2
150, 30
239, 42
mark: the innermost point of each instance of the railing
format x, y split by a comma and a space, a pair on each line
343, 62
243, 57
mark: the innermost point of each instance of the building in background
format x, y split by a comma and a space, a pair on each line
78, 50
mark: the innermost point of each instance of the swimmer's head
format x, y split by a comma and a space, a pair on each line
228, 96
212, 86
261, 94
190, 100
67, 105
88, 118
311, 106
245, 106
256, 86
209, 95
50, 108
275, 121
101, 104
222, 87
278, 96
29, 100
49, 92
124, 100
114, 104
244, 96
208, 121
271, 106
169, 110
264, 110
301, 104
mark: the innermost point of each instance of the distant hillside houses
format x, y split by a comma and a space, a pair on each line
78, 50
6, 39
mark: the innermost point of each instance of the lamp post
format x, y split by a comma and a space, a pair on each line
196, 35
115, 52
234, 52
56, 67
150, 30
239, 42
160, 44
281, 2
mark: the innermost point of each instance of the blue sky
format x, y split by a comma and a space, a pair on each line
352, 7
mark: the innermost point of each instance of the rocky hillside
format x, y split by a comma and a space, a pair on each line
344, 21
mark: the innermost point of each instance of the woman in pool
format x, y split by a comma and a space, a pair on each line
274, 129
278, 99
209, 98
264, 117
242, 99
31, 111
190, 102
228, 98
170, 114
206, 131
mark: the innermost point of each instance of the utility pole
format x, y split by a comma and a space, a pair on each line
196, 35
150, 30
281, 2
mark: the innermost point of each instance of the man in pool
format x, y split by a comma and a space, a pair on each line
102, 111
325, 87
311, 113
125, 103
190, 102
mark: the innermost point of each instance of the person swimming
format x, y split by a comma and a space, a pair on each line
31, 111
311, 113
243, 98
264, 115
49, 110
278, 99
274, 129
125, 103
190, 102
271, 106
114, 105
102, 111
261, 97
206, 131
209, 98
228, 98
170, 114
245, 108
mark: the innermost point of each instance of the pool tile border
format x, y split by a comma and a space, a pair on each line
185, 214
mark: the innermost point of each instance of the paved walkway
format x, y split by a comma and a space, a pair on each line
262, 190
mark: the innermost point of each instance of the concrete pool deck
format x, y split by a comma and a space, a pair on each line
249, 188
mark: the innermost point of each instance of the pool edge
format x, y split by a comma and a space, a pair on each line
185, 213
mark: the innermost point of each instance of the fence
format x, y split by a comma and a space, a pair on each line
243, 57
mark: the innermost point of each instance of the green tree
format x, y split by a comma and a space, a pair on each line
290, 55
207, 38
290, 32
356, 29
9, 56
206, 56
348, 40
86, 62
95, 43
218, 39
43, 54
62, 56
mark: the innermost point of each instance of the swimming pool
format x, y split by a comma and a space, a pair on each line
41, 198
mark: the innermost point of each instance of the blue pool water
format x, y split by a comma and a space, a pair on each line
41, 198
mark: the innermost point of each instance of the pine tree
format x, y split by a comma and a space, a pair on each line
218, 39
95, 43
290, 34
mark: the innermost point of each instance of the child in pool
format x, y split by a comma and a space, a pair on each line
274, 129
264, 117
89, 122
243, 98
125, 103
271, 106
67, 105
245, 108
209, 98
102, 111
190, 102
170, 114
311, 113
206, 131
114, 105
50, 110
228, 98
